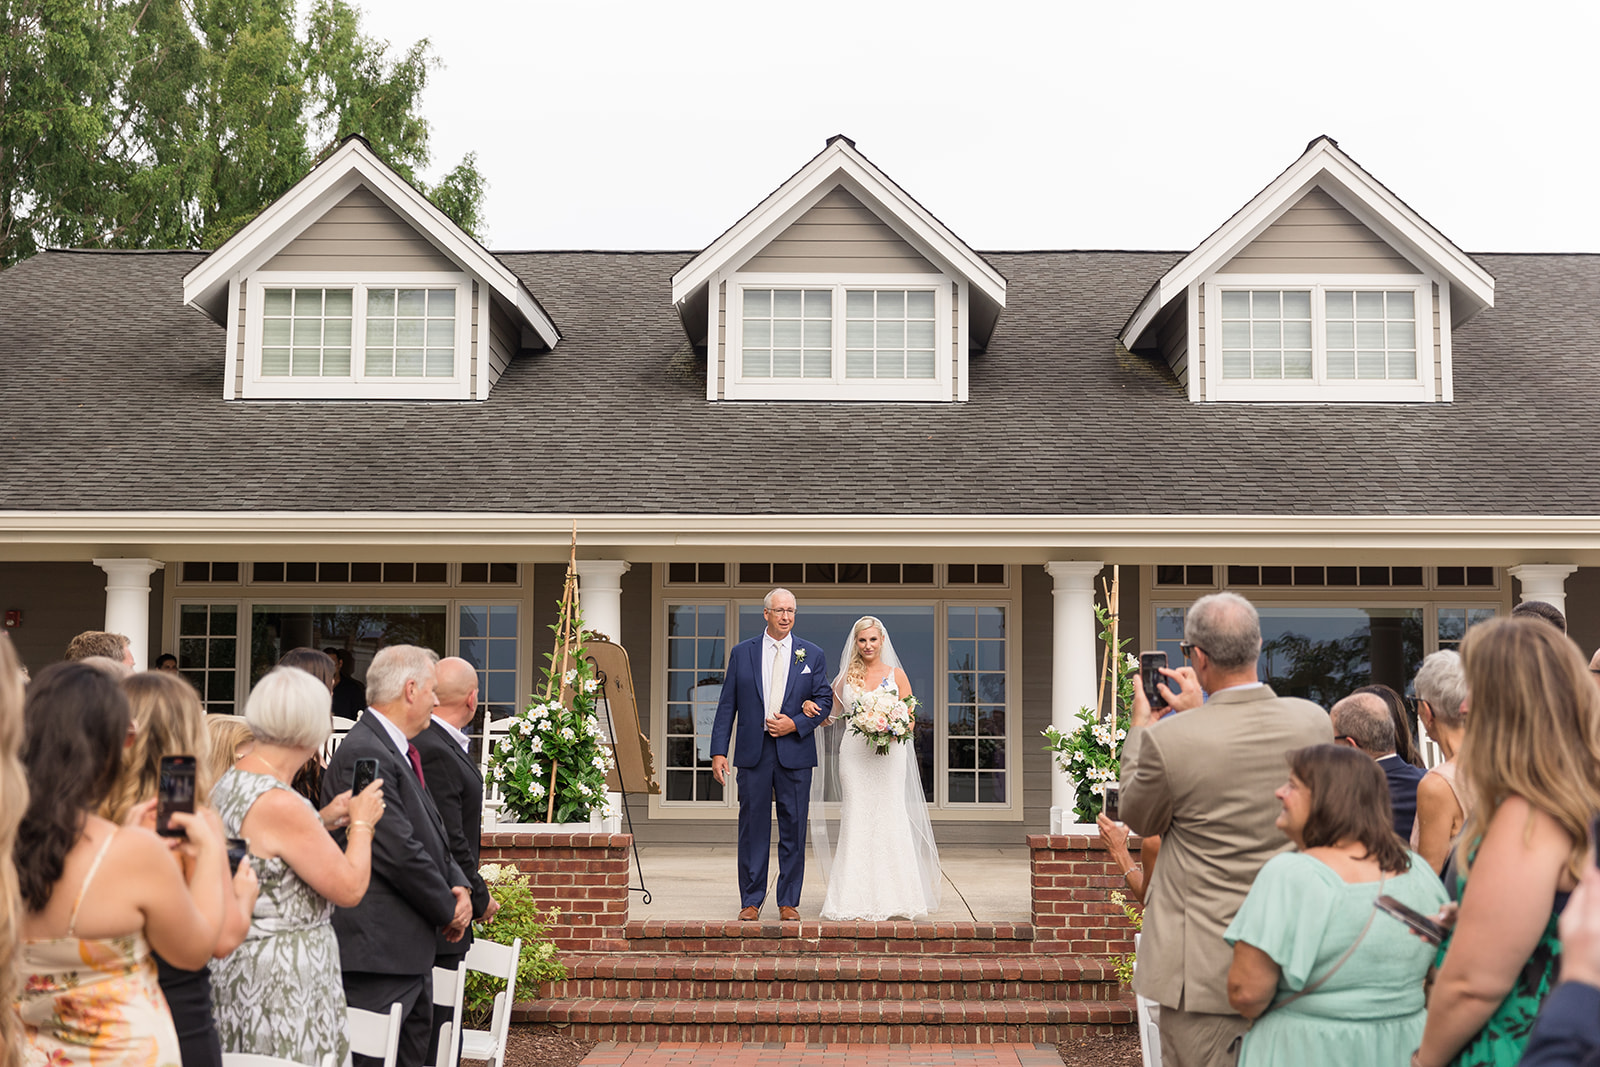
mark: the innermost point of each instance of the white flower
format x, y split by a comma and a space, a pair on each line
490, 872
536, 745
567, 734
590, 685
570, 677
536, 790
1131, 661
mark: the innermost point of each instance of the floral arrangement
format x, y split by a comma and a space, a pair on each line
519, 916
883, 718
1092, 752
551, 765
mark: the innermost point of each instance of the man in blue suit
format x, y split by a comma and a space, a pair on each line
1362, 720
776, 692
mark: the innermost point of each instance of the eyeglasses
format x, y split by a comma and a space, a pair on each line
1342, 737
1189, 649
779, 611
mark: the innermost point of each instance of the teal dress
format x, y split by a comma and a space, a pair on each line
1504, 1035
1304, 916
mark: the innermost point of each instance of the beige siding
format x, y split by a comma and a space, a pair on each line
1317, 236
1200, 339
1173, 340
722, 341
238, 363
361, 232
839, 235
504, 342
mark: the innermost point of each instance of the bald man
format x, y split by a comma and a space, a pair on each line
1363, 720
457, 790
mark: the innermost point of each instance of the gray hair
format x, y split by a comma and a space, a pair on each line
290, 707
1227, 627
1365, 719
766, 601
393, 667
1442, 682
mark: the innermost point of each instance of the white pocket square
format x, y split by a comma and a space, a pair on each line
805, 670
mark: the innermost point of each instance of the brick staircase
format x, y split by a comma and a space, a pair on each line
870, 983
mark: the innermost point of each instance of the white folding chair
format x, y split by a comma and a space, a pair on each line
341, 726
493, 731
255, 1059
449, 991
373, 1033
499, 961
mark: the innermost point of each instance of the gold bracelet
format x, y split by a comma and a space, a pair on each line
362, 825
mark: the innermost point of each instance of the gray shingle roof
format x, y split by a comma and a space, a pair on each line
111, 391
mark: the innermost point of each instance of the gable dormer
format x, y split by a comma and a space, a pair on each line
352, 286
1325, 287
838, 286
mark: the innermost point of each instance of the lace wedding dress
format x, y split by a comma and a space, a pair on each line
881, 868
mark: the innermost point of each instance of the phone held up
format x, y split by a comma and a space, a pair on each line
1419, 923
1113, 802
174, 792
366, 772
238, 848
1150, 676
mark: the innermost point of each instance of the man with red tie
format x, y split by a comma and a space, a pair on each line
386, 943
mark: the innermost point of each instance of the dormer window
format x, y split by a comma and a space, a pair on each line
379, 337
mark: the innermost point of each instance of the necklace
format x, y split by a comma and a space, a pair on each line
271, 770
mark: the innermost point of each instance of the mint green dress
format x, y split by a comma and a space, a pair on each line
1304, 916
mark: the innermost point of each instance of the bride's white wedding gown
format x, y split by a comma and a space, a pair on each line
875, 874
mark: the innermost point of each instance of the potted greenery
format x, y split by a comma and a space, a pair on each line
519, 916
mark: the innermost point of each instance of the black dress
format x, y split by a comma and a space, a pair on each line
188, 996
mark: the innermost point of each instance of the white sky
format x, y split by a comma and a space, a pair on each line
1106, 124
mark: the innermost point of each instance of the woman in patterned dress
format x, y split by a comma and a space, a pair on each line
98, 897
1531, 762
280, 993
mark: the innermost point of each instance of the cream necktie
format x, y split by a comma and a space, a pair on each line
775, 683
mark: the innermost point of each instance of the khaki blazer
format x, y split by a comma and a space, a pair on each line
1203, 779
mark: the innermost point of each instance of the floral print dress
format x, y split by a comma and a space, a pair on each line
94, 1002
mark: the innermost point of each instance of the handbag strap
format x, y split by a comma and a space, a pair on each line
1331, 971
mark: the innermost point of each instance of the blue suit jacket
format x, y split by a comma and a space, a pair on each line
1403, 779
1567, 1032
743, 704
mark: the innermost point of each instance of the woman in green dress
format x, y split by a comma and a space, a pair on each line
1307, 908
1530, 759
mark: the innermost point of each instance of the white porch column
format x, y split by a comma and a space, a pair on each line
1544, 581
600, 595
1072, 677
128, 602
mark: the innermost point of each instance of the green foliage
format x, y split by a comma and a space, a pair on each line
1124, 964
1091, 754
556, 745
172, 123
518, 917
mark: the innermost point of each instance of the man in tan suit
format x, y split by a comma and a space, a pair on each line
1202, 776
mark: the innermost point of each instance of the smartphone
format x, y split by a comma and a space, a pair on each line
238, 848
174, 792
366, 773
1594, 840
1419, 923
1112, 806
1150, 676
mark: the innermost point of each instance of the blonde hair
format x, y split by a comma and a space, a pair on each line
13, 803
855, 668
167, 721
1533, 730
228, 733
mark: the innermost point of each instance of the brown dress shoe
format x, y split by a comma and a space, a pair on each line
750, 914
789, 915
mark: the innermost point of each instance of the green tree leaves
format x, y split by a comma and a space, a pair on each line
171, 123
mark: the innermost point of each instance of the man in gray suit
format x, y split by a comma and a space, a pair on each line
1202, 776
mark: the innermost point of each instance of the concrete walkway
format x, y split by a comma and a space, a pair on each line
805, 1055
981, 883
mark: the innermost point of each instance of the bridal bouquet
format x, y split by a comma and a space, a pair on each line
882, 718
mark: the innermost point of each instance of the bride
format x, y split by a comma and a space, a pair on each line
886, 865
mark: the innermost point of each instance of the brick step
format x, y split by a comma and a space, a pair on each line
636, 976
858, 1021
763, 938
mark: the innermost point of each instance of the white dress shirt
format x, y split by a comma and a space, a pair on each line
401, 741
459, 737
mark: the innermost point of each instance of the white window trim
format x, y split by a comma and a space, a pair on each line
356, 386
1320, 389
940, 387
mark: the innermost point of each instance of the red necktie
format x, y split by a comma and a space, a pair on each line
416, 764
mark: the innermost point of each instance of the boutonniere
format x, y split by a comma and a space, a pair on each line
799, 655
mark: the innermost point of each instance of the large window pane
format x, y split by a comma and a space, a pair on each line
306, 332
1266, 335
359, 630
1371, 336
889, 334
975, 710
787, 333
696, 662
411, 333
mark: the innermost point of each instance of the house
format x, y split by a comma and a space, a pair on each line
353, 424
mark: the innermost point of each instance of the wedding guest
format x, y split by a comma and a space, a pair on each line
231, 740
1198, 778
279, 994
1136, 874
13, 801
114, 647
1326, 979
308, 780
1530, 757
1441, 705
1363, 721
169, 721
1405, 722
98, 897
1540, 609
167, 662
349, 695
1567, 1032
